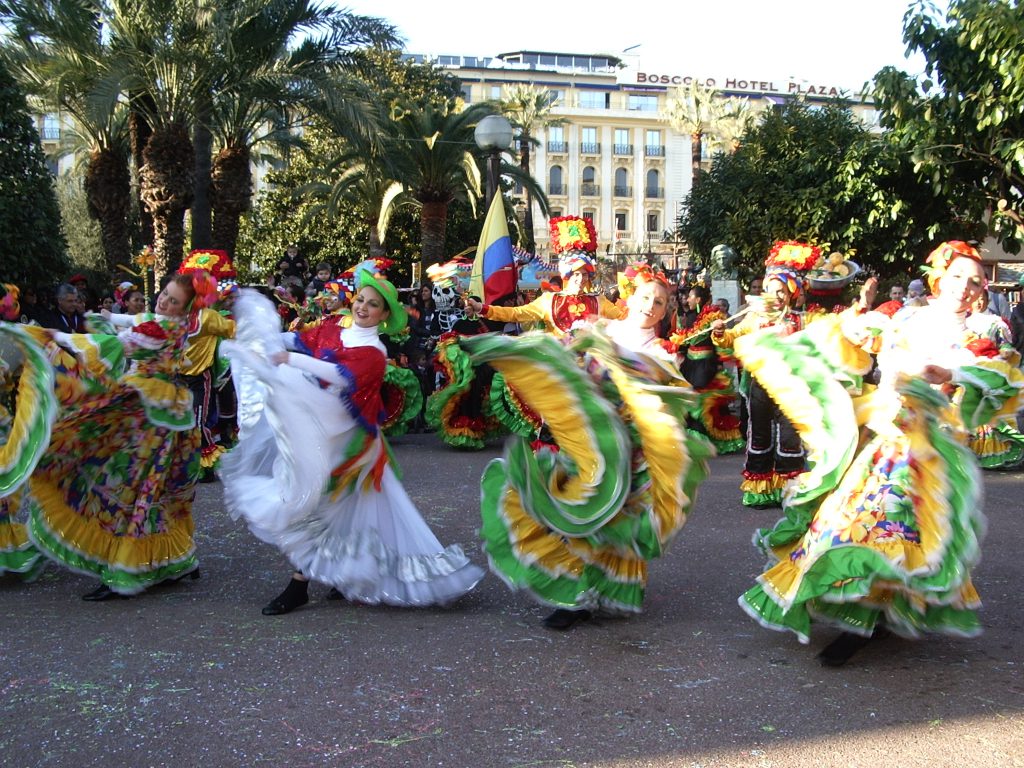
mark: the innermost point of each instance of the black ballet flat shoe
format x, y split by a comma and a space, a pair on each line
191, 576
103, 593
295, 595
842, 649
334, 594
562, 619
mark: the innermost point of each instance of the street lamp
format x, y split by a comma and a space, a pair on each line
493, 135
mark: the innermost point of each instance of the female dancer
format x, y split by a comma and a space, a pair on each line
312, 472
886, 526
774, 452
576, 526
122, 513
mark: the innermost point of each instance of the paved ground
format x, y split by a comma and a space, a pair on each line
192, 674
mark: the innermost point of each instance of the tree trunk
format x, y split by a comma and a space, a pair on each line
168, 183
139, 133
376, 247
202, 232
696, 144
230, 195
433, 221
524, 164
109, 198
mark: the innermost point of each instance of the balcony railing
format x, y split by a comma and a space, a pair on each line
556, 189
623, 149
655, 193
590, 190
590, 148
50, 133
654, 150
556, 146
626, 191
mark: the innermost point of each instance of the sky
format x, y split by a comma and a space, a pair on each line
833, 43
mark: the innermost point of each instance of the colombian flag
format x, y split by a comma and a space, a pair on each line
494, 268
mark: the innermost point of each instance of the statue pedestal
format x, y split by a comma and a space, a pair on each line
727, 289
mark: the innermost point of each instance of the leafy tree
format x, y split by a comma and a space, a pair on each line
964, 124
281, 215
819, 175
34, 251
57, 53
82, 232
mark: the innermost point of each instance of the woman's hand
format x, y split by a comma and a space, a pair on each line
936, 374
717, 326
278, 358
105, 314
473, 307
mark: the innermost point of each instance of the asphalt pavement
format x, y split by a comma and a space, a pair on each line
191, 674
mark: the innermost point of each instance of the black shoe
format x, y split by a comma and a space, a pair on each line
563, 619
208, 476
841, 650
103, 593
334, 594
296, 594
191, 576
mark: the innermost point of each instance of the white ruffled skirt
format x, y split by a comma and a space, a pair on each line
373, 546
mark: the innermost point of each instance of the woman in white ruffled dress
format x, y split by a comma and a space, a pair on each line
312, 473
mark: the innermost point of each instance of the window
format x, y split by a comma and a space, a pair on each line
652, 221
652, 144
590, 188
589, 214
588, 141
589, 174
622, 188
622, 145
639, 103
653, 184
467, 94
593, 100
496, 93
556, 139
51, 128
620, 221
556, 96
556, 186
556, 213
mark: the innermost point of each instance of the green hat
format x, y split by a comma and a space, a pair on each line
397, 317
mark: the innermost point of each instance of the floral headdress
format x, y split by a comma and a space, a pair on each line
637, 274
9, 307
574, 240
205, 287
211, 260
444, 275
788, 261
938, 261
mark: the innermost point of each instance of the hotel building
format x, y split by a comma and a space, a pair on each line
614, 159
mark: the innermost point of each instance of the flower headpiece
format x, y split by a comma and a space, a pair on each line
938, 261
788, 261
9, 307
637, 274
214, 261
574, 241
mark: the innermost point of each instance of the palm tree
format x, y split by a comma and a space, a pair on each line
696, 110
431, 152
57, 52
529, 110
263, 88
